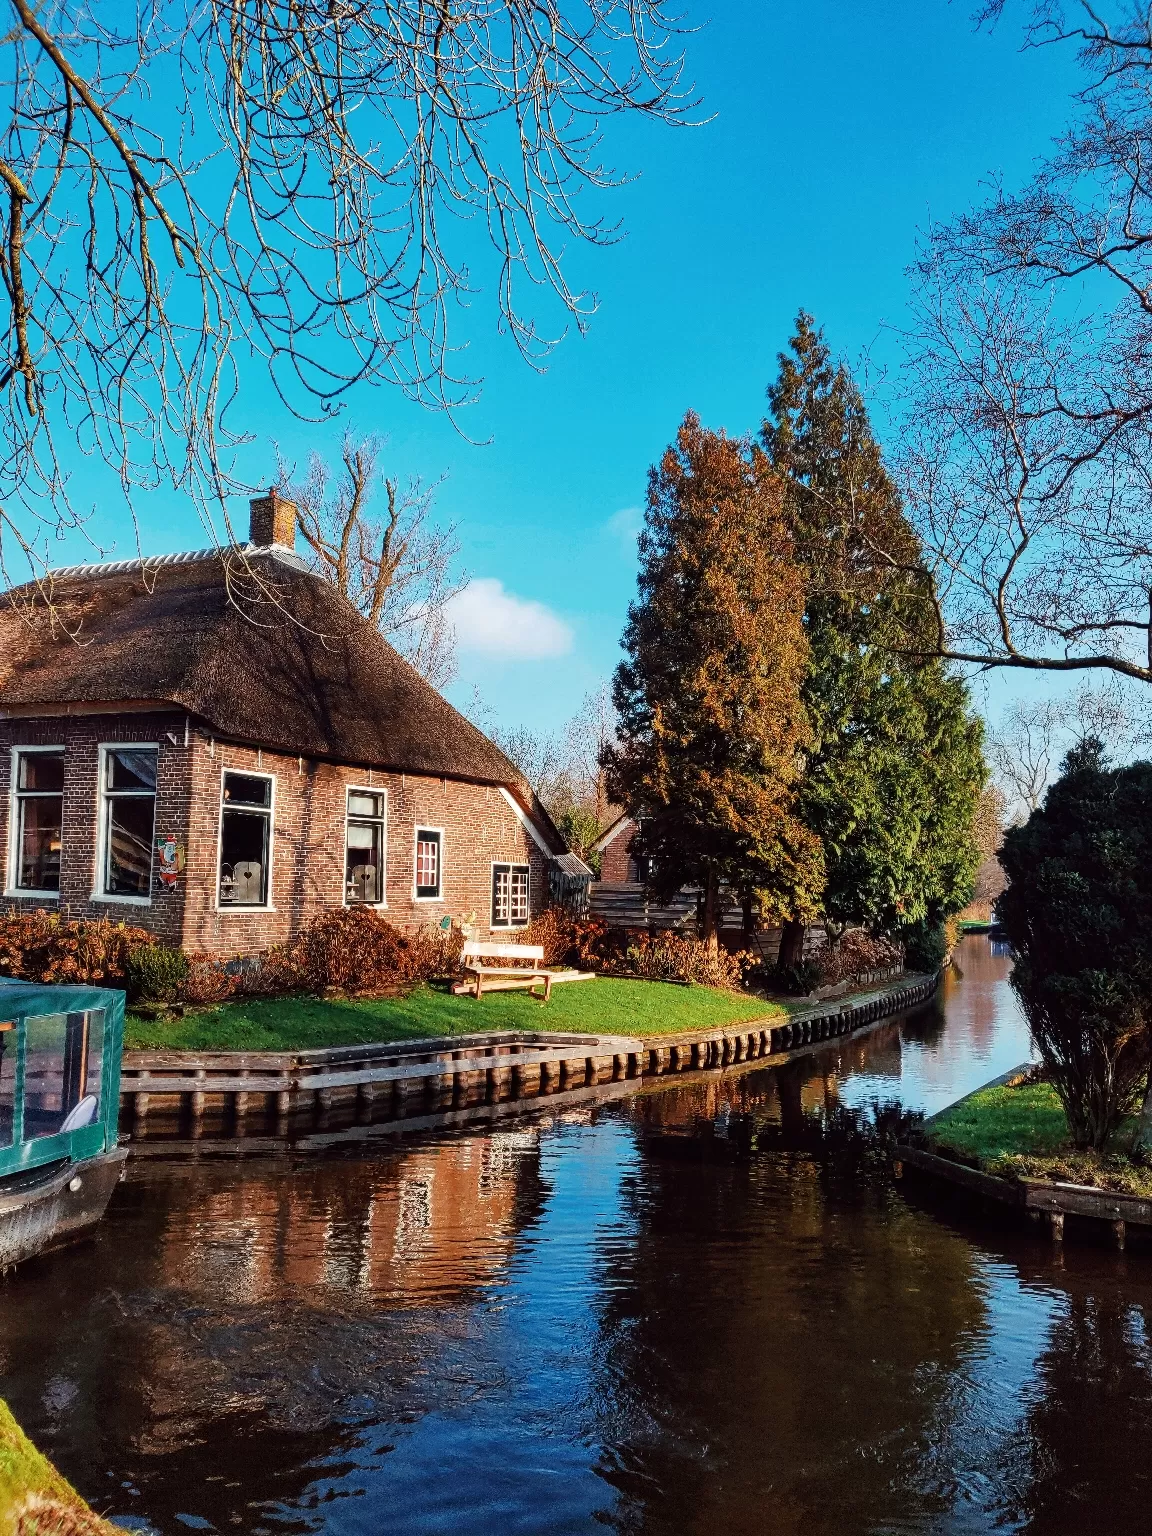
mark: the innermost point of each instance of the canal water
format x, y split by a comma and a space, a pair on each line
704, 1308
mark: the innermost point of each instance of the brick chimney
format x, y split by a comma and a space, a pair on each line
273, 520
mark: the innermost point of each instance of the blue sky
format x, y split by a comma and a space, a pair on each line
836, 132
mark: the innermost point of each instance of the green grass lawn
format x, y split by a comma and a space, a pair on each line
606, 1006
1023, 1132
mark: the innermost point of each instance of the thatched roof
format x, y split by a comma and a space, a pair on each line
252, 644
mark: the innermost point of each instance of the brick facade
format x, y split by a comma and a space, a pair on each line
479, 827
617, 863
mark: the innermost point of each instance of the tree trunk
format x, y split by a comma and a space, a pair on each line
709, 932
1143, 1143
791, 944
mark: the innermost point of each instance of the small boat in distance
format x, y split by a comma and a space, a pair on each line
60, 1157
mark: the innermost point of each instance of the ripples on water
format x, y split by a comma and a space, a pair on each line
701, 1309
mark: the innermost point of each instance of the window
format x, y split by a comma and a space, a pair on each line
245, 840
63, 1058
129, 820
429, 863
509, 895
39, 820
364, 846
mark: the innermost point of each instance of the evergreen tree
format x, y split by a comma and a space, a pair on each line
711, 723
893, 767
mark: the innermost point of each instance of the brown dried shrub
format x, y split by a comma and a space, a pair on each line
356, 951
855, 954
46, 947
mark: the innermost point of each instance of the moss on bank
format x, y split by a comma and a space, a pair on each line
1021, 1132
606, 1006
34, 1499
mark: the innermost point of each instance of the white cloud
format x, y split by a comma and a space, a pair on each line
625, 525
491, 622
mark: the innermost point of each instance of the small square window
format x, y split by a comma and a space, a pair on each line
428, 864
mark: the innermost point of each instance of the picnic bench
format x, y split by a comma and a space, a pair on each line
481, 976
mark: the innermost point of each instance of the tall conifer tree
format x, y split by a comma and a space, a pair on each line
712, 726
893, 766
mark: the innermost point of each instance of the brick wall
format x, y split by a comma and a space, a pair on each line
81, 738
617, 866
308, 858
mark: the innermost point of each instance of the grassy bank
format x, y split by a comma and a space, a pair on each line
604, 1006
34, 1498
1022, 1132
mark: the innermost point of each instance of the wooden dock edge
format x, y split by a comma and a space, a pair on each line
288, 1087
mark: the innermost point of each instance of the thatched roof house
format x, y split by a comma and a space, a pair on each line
257, 708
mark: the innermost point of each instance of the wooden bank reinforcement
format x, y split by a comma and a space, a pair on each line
1094, 1211
232, 1096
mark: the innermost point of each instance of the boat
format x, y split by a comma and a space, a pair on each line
60, 1152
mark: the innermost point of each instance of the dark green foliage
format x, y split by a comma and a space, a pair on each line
926, 943
155, 974
895, 767
1078, 912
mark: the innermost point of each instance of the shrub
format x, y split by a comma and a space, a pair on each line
46, 947
209, 981
793, 980
558, 931
855, 954
926, 944
683, 957
156, 974
355, 950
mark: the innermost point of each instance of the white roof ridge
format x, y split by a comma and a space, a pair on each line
180, 557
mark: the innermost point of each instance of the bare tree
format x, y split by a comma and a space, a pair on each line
1028, 460
399, 568
186, 186
1027, 747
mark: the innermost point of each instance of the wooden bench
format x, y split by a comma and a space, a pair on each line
497, 978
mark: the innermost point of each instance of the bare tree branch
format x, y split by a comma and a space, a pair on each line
399, 570
312, 171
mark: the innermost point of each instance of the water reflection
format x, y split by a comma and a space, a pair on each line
703, 1307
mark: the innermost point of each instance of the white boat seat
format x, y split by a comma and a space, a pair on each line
81, 1114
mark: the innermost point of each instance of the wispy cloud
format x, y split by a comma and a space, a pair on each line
491, 622
625, 525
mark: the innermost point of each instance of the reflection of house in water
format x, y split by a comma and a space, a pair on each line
426, 1224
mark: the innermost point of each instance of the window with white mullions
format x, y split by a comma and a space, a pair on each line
39, 819
128, 791
510, 895
245, 840
429, 863
365, 846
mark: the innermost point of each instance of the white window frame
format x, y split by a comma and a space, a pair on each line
231, 908
508, 864
424, 826
12, 865
98, 892
373, 789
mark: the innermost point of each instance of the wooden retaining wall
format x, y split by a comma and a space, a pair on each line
233, 1094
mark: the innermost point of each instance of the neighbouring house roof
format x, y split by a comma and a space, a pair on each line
573, 864
253, 644
612, 832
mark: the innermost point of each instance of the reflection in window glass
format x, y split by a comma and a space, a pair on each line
129, 820
39, 820
8, 1038
63, 1056
245, 838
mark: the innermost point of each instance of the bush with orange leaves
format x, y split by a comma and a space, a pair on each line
46, 947
356, 951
